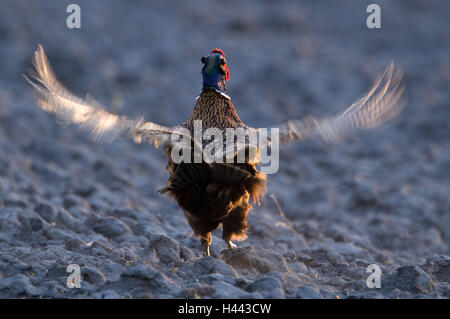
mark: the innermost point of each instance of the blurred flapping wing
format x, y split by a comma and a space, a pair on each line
380, 104
88, 114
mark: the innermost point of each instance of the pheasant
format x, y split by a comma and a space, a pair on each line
214, 193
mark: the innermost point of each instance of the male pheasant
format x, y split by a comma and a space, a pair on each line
213, 193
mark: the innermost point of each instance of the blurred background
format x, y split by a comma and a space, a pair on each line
384, 192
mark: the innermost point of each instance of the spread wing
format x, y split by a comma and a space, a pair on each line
380, 104
88, 114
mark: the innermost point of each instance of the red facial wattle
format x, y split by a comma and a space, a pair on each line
227, 72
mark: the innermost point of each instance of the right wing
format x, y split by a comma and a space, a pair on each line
382, 103
88, 114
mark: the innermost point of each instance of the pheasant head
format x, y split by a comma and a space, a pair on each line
215, 71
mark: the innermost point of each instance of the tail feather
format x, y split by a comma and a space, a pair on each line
228, 174
189, 174
232, 176
221, 179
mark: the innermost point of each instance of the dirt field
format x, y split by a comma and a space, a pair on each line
381, 197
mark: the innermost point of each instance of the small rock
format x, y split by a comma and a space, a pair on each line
439, 267
85, 190
141, 272
197, 291
36, 223
73, 243
323, 254
148, 278
348, 249
16, 286
364, 195
47, 211
276, 293
409, 278
72, 201
93, 275
167, 249
110, 227
65, 219
248, 260
106, 294
122, 212
309, 229
13, 200
264, 283
226, 290
186, 253
210, 278
211, 265
99, 248
308, 292
57, 234
298, 267
254, 295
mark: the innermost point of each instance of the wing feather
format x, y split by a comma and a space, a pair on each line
380, 104
88, 114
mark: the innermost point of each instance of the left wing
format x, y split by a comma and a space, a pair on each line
88, 114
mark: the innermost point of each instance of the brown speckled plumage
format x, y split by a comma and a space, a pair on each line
215, 111
215, 194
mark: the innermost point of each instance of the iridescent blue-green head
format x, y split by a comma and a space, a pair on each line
215, 71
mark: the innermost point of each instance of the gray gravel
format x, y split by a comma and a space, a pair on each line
379, 198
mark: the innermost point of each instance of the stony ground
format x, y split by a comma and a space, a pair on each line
381, 197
